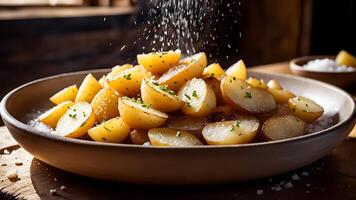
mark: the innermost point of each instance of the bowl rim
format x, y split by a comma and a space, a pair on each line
294, 66
26, 128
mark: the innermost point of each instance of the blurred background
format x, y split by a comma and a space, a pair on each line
46, 37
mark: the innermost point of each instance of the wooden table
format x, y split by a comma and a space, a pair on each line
333, 177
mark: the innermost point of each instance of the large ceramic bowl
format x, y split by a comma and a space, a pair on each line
188, 165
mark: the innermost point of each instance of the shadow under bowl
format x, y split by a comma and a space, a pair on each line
340, 79
172, 165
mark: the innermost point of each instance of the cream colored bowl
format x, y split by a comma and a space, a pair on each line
189, 165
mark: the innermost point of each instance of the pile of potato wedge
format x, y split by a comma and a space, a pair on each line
167, 100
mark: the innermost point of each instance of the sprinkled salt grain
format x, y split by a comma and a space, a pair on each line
305, 173
288, 185
259, 192
52, 191
63, 187
6, 151
327, 65
276, 188
295, 177
308, 184
55, 179
12, 174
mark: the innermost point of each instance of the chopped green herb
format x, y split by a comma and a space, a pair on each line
107, 129
188, 97
234, 78
236, 124
212, 74
127, 76
188, 104
73, 115
194, 94
248, 95
306, 105
85, 115
155, 83
305, 110
103, 138
242, 87
146, 106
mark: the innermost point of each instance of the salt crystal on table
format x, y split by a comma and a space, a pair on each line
259, 192
52, 191
63, 187
6, 151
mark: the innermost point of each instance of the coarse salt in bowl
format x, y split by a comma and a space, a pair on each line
327, 65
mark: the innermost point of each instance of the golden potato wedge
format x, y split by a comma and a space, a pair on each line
199, 98
245, 98
51, 117
281, 96
345, 58
118, 69
306, 109
189, 68
159, 96
102, 81
187, 123
105, 105
75, 123
214, 71
239, 131
273, 84
224, 109
159, 62
140, 116
113, 131
66, 94
128, 81
88, 89
139, 137
257, 83
282, 109
283, 127
238, 70
172, 137
214, 84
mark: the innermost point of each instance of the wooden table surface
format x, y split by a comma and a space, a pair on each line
333, 177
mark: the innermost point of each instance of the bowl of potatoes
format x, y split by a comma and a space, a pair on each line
177, 121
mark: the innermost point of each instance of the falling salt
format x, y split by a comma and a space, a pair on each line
259, 192
305, 173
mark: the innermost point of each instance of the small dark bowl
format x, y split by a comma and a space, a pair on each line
175, 165
340, 79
